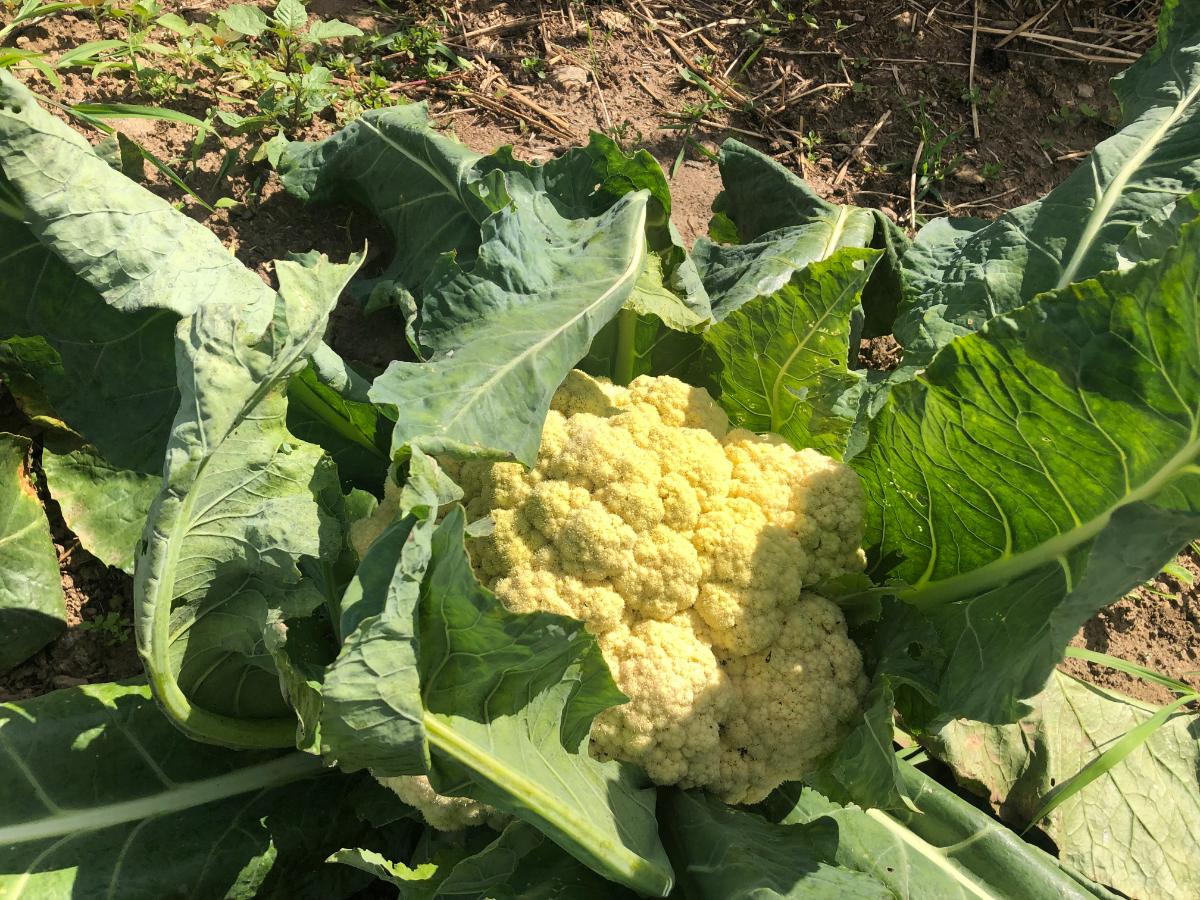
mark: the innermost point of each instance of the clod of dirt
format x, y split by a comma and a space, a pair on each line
569, 78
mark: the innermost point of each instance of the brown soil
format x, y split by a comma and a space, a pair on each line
871, 101
1157, 626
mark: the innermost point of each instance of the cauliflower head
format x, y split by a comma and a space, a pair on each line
687, 548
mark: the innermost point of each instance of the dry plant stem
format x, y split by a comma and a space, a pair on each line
858, 151
912, 186
1032, 22
971, 75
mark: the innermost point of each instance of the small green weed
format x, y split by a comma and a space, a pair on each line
112, 628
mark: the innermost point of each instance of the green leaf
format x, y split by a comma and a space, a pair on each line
722, 853
1158, 234
902, 654
942, 849
781, 358
427, 178
973, 472
32, 605
506, 332
505, 703
504, 696
959, 274
244, 19
782, 226
55, 332
1149, 803
354, 434
331, 30
371, 716
100, 795
290, 15
243, 504
133, 111
586, 182
103, 505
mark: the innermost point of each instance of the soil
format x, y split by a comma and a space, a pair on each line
872, 104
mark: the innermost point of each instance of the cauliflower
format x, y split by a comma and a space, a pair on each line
688, 550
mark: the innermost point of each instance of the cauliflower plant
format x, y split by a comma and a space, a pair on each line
688, 549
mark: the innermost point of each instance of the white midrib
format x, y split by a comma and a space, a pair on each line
933, 854
932, 593
777, 387
571, 822
1117, 188
293, 767
831, 244
835, 234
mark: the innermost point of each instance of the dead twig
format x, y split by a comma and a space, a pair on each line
971, 74
858, 151
912, 186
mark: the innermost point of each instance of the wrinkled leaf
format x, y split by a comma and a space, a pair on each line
722, 853
974, 472
1149, 804
505, 333
243, 503
504, 696
780, 224
781, 358
103, 505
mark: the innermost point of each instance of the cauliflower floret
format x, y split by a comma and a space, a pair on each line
678, 404
795, 701
443, 813
678, 698
685, 547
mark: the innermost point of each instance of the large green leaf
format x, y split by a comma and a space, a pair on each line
105, 506
779, 224
509, 701
1149, 804
97, 271
243, 504
419, 183
958, 275
726, 854
942, 848
780, 359
32, 605
1039, 469
506, 332
109, 374
101, 796
504, 705
129, 244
